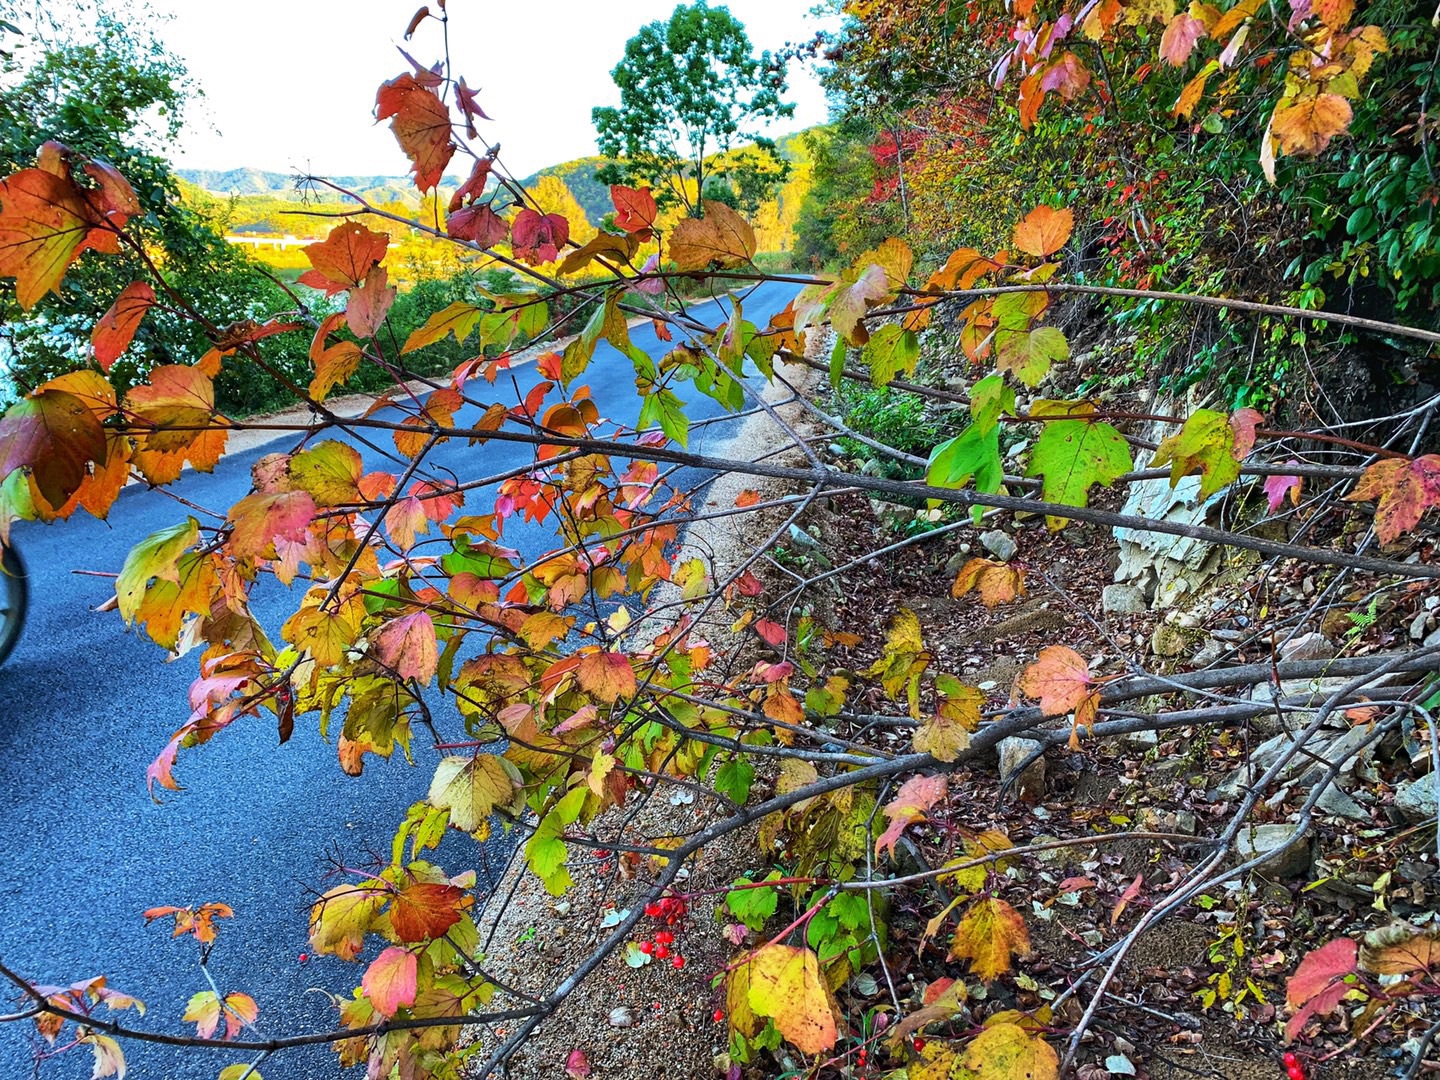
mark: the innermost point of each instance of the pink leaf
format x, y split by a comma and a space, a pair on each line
390, 981
773, 633
407, 645
1278, 487
577, 1065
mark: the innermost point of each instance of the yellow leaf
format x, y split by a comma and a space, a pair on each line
1008, 1052
1306, 127
787, 986
471, 787
340, 919
997, 583
722, 236
988, 936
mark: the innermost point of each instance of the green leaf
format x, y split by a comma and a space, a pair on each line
973, 454
733, 779
891, 350
546, 852
459, 319
837, 362
158, 555
607, 322
1030, 355
1075, 455
990, 399
664, 410
753, 906
1204, 445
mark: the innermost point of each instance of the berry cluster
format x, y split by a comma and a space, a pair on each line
1293, 1068
671, 911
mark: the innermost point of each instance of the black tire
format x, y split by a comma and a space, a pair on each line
14, 595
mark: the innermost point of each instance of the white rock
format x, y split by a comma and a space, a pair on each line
1000, 544
621, 1017
1012, 753
1124, 600
1262, 839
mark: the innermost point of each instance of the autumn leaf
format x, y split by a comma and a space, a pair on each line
537, 238
370, 303
1204, 445
115, 330
56, 436
154, 557
480, 224
109, 1058
1403, 490
606, 676
344, 258
44, 222
1009, 1052
773, 633
1179, 38
997, 583
915, 797
198, 922
1075, 455
390, 980
989, 935
1030, 354
1280, 487
1320, 982
341, 918
458, 318
722, 237
1194, 90
785, 984
423, 910
407, 646
1400, 949
421, 123
258, 522
635, 209
947, 732
1059, 678
904, 659
330, 471
472, 787
1305, 127
1044, 230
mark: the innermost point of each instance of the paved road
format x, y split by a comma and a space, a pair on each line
84, 707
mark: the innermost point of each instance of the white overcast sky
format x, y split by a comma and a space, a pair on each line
290, 84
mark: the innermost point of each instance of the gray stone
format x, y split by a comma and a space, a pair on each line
1311, 646
999, 544
1419, 625
1012, 753
1416, 799
1432, 641
1339, 802
1303, 769
956, 562
1124, 600
1258, 840
1208, 654
1139, 740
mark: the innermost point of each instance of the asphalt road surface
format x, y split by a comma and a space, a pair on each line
86, 705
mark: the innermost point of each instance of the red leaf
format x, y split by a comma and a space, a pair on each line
421, 123
407, 645
607, 676
422, 910
390, 981
478, 223
1130, 893
57, 435
577, 1065
344, 258
1403, 489
538, 238
465, 98
1179, 38
116, 328
1319, 983
635, 209
258, 521
916, 795
772, 632
415, 21
473, 187
370, 303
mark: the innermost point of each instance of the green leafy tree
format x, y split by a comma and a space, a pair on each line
691, 91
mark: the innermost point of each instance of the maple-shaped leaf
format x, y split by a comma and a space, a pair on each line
1178, 40
407, 646
259, 522
203, 1010
341, 918
1280, 487
1320, 982
44, 222
785, 983
325, 633
606, 676
458, 318
156, 556
344, 258
178, 405
916, 795
1044, 230
1059, 678
167, 603
1400, 949
116, 329
537, 238
472, 787
904, 659
330, 471
480, 224
946, 733
1305, 127
1009, 1052
892, 350
1204, 445
421, 123
721, 237
241, 1011
390, 980
998, 583
370, 303
989, 934
474, 185
635, 209
422, 910
469, 105
198, 922
1030, 354
56, 435
109, 1058
1075, 455
1403, 490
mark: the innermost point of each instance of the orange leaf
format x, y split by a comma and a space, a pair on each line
605, 675
786, 984
916, 795
990, 933
44, 221
998, 583
370, 303
240, 1012
423, 910
390, 981
748, 497
116, 328
57, 435
1306, 127
1059, 677
344, 258
635, 209
258, 521
1131, 892
1044, 230
421, 123
722, 236
1403, 490
407, 646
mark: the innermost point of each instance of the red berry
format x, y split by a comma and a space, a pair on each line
662, 951
665, 937
919, 1045
645, 947
678, 963
719, 1013
652, 910
304, 957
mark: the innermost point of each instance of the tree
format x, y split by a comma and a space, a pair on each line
618, 664
691, 91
